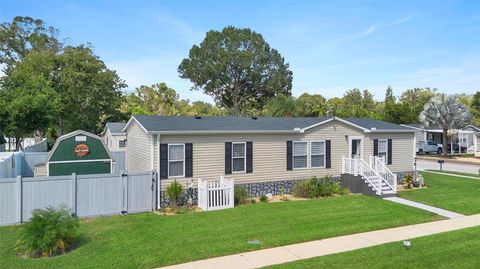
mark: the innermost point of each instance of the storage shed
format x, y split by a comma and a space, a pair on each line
79, 152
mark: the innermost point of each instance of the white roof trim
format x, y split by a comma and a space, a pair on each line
132, 118
72, 134
340, 120
416, 128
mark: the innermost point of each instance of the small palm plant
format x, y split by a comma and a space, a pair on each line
51, 231
174, 190
446, 112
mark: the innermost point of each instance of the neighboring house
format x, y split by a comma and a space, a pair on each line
114, 137
3, 143
464, 138
476, 138
78, 152
265, 154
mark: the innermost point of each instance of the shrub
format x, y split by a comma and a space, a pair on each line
322, 187
263, 198
305, 188
174, 190
253, 201
51, 231
409, 180
240, 195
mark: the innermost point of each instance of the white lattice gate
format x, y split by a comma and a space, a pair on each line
215, 194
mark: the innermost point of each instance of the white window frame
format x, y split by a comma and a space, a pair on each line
293, 156
324, 154
386, 149
244, 157
183, 160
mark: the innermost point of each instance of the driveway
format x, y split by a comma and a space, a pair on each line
434, 165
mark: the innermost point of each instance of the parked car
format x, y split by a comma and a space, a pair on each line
428, 147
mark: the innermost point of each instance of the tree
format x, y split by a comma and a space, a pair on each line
282, 106
356, 103
29, 99
90, 93
476, 108
412, 102
447, 112
391, 109
24, 35
237, 68
312, 105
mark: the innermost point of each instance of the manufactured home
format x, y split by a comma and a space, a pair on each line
114, 137
265, 154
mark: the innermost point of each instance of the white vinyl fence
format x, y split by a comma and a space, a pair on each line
85, 195
215, 194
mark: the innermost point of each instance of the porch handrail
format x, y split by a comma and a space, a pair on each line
387, 176
357, 166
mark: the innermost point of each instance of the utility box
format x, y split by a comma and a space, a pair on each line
79, 152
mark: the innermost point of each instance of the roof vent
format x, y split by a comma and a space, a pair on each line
198, 117
373, 128
254, 118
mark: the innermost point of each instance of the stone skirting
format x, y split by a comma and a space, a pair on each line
256, 189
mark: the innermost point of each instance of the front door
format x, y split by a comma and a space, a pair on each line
356, 148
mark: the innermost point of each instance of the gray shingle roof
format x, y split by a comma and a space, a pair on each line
116, 127
207, 123
378, 124
190, 123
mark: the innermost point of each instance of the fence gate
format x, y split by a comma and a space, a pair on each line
215, 194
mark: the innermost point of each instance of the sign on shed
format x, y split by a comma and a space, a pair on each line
79, 152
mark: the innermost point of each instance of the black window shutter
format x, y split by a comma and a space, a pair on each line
389, 159
328, 154
375, 147
249, 157
228, 158
163, 160
289, 155
188, 160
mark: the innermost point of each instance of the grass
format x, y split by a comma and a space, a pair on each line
456, 173
455, 249
452, 193
149, 240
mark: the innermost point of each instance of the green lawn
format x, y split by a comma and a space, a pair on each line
457, 249
148, 240
457, 194
456, 173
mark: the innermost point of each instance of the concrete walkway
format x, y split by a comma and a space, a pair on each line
453, 175
436, 210
278, 255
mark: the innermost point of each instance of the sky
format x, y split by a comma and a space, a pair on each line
331, 46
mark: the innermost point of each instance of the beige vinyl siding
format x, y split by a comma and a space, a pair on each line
112, 141
138, 149
402, 149
269, 154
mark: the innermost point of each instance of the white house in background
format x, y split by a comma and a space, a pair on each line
3, 143
476, 138
464, 140
114, 137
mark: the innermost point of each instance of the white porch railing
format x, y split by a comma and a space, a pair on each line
378, 164
360, 167
215, 194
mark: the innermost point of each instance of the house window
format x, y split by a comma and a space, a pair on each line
238, 157
317, 154
122, 143
300, 154
383, 149
176, 157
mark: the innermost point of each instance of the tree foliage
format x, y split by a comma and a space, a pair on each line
47, 86
159, 99
237, 68
447, 112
